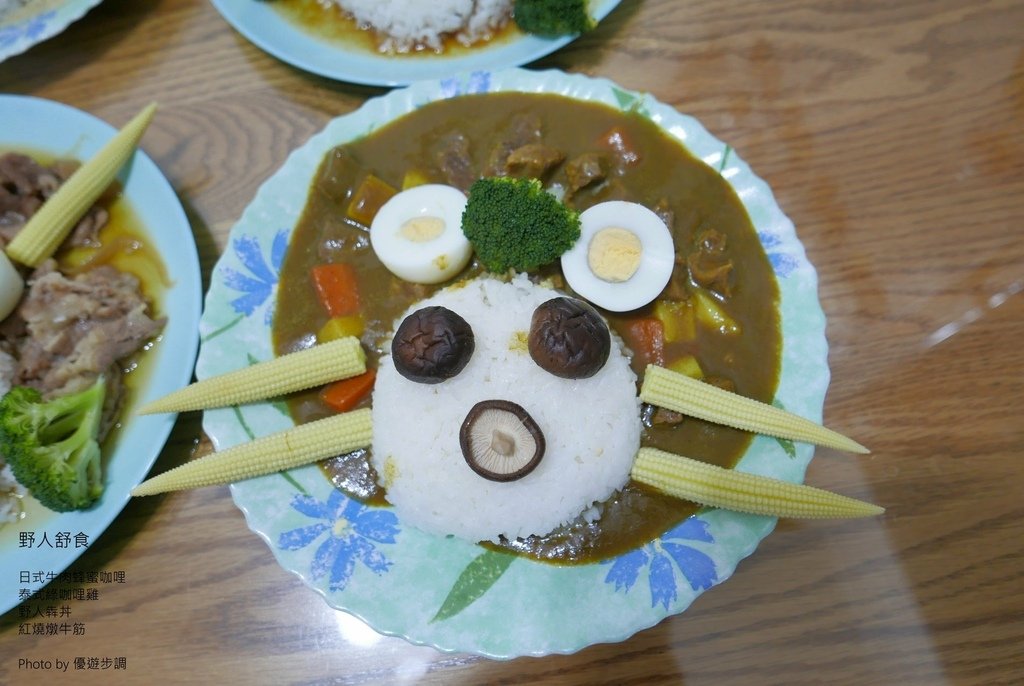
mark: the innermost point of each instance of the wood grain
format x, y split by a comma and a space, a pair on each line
892, 135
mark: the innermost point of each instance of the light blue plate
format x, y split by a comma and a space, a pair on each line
267, 28
28, 26
48, 127
451, 594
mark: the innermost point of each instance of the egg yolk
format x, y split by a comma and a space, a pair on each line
614, 254
422, 229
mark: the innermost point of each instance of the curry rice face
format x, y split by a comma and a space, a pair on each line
659, 173
589, 443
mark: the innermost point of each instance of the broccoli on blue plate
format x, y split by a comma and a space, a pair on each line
51, 445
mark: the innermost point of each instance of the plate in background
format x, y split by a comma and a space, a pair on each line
42, 126
268, 29
37, 21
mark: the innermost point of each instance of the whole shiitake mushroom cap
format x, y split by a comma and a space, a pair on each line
568, 338
501, 441
432, 344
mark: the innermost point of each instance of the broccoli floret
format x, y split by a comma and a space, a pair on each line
51, 445
553, 17
515, 224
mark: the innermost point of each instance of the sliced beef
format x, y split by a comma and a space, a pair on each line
25, 185
533, 160
86, 233
454, 160
12, 329
22, 176
79, 327
8, 368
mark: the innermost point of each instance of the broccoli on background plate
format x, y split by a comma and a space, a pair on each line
515, 224
51, 445
553, 17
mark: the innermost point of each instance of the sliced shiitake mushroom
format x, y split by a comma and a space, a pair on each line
432, 344
568, 338
501, 441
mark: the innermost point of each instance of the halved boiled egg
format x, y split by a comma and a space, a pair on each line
623, 258
417, 234
11, 286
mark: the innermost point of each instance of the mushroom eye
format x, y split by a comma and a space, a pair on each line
568, 338
501, 441
432, 344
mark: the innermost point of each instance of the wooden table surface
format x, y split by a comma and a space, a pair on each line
892, 135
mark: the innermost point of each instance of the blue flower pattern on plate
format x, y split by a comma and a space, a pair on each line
353, 532
657, 556
782, 263
478, 82
257, 286
30, 29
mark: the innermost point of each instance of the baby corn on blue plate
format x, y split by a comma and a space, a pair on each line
37, 547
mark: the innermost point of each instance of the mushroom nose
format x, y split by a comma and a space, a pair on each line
501, 441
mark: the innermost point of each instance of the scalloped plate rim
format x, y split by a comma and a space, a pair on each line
68, 13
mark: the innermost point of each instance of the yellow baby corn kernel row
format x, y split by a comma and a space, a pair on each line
678, 392
338, 359
295, 447
48, 227
714, 486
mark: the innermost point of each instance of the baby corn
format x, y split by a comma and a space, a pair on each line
726, 488
287, 449
677, 392
48, 227
295, 371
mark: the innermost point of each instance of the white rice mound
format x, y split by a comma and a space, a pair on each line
418, 24
591, 426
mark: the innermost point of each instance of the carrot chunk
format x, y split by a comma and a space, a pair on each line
337, 288
344, 395
621, 143
646, 338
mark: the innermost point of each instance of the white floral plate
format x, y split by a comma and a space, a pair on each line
447, 593
36, 125
265, 27
37, 21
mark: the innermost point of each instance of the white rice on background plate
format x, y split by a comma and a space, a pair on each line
591, 426
10, 490
410, 24
11, 493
